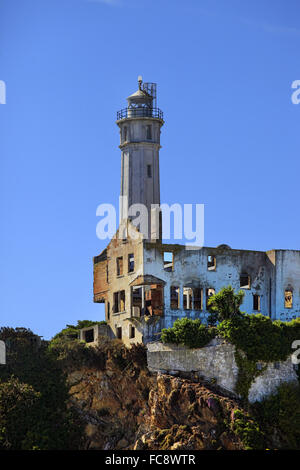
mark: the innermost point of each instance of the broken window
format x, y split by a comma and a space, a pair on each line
288, 299
120, 266
131, 263
147, 300
168, 261
197, 298
148, 133
122, 301
154, 299
119, 301
137, 301
245, 281
131, 331
209, 292
116, 302
187, 298
119, 332
89, 336
256, 302
211, 263
149, 171
174, 295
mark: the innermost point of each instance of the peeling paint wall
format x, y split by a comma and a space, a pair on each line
190, 268
270, 274
287, 265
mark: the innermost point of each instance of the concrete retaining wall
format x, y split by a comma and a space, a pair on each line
217, 361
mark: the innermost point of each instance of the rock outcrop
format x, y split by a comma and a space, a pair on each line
124, 406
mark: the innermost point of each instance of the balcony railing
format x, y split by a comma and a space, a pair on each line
140, 112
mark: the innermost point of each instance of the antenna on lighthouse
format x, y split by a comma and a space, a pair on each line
140, 80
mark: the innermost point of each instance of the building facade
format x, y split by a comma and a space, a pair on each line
146, 284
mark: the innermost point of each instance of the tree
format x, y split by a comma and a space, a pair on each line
17, 403
226, 304
35, 407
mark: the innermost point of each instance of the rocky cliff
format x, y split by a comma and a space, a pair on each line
66, 395
124, 406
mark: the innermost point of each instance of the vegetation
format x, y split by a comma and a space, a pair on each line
247, 372
18, 402
35, 410
248, 430
256, 337
34, 394
225, 304
259, 337
188, 332
280, 414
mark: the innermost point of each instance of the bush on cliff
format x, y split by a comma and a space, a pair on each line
50, 423
259, 337
188, 332
279, 414
17, 406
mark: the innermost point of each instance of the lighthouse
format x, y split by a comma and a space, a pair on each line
140, 126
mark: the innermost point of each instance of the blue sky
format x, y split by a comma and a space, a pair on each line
224, 70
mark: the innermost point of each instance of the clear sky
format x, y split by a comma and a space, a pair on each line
224, 70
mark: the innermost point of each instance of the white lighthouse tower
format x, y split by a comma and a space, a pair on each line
140, 125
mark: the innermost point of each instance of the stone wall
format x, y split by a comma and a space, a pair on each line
267, 383
216, 363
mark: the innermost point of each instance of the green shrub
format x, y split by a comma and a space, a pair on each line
17, 403
51, 423
188, 332
225, 304
247, 372
280, 413
259, 337
72, 355
248, 430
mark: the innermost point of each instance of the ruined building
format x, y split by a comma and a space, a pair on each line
145, 284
